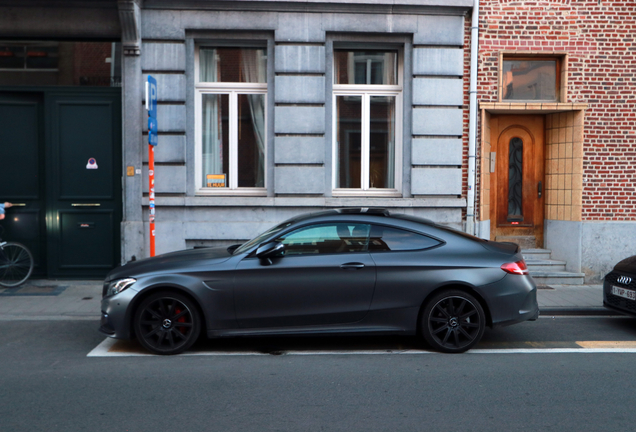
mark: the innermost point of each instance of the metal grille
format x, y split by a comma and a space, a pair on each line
515, 180
612, 278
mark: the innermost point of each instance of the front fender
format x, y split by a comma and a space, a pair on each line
215, 303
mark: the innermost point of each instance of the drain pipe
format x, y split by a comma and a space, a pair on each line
472, 122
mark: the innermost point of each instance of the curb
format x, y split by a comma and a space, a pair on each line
578, 311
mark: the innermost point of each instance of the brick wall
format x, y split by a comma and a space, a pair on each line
90, 67
600, 39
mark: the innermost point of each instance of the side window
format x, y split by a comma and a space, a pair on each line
327, 238
393, 239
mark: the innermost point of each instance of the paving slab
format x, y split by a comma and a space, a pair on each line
43, 299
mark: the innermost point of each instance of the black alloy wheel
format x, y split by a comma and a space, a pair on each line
167, 323
453, 322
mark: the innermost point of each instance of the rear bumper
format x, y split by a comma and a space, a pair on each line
511, 300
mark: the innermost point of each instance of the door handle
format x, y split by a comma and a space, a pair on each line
540, 189
86, 205
352, 265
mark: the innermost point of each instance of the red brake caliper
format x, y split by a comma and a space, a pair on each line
181, 320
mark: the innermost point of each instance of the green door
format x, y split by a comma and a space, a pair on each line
22, 172
78, 174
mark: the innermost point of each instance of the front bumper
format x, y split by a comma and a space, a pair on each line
116, 319
616, 303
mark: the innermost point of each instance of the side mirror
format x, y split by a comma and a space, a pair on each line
270, 250
232, 248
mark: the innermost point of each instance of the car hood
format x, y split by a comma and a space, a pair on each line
628, 265
180, 261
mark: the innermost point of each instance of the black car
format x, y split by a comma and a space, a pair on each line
619, 287
347, 271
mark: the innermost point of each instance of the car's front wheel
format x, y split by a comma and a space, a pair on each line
453, 321
167, 323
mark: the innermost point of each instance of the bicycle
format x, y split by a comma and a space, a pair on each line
16, 263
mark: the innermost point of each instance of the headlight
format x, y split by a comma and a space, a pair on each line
117, 286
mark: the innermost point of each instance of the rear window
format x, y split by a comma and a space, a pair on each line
460, 233
393, 239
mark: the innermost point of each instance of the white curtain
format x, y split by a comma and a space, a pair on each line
389, 66
212, 145
255, 71
390, 169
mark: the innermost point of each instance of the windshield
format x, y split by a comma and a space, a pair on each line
256, 240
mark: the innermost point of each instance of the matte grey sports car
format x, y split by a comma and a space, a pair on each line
347, 271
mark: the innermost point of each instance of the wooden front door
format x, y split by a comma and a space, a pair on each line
517, 183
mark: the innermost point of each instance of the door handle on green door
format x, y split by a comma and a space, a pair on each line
352, 265
86, 205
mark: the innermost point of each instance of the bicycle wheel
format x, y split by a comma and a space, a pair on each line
16, 264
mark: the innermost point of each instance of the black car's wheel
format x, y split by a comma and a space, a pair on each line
453, 322
167, 323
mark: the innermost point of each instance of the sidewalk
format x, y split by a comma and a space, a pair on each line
572, 300
42, 299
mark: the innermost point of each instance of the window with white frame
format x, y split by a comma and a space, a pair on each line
367, 92
231, 97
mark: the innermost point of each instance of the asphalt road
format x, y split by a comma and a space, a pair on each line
49, 384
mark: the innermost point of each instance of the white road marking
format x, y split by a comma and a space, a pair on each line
103, 350
7, 317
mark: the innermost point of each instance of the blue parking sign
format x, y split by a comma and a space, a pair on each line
151, 97
152, 138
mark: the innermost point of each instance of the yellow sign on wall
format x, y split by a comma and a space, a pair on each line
215, 180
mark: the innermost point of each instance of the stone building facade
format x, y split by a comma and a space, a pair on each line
361, 104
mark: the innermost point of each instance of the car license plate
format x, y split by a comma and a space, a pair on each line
625, 293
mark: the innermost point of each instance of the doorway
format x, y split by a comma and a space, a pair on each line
517, 179
60, 163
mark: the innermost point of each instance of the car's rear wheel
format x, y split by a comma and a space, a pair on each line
167, 323
453, 321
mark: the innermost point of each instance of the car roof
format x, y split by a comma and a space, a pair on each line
361, 211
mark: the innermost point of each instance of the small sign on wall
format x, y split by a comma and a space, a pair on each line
215, 180
92, 164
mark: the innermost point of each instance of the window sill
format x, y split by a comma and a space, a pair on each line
386, 193
250, 192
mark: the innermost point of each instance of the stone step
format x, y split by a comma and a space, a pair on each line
538, 254
545, 265
557, 278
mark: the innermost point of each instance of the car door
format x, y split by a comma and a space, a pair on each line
326, 277
408, 264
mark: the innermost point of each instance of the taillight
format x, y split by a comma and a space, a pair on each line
518, 267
